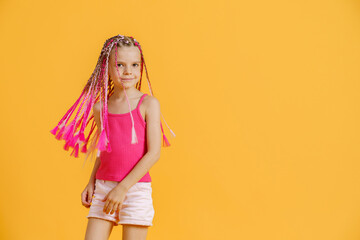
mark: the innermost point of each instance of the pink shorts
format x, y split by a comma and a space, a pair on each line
137, 207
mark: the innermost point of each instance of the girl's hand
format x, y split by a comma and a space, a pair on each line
87, 194
114, 199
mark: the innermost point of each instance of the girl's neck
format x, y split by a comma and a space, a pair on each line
120, 95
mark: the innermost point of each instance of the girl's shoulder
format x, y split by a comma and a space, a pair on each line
151, 104
96, 106
150, 100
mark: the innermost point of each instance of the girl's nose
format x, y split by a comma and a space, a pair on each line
127, 71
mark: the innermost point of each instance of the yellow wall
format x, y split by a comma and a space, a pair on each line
263, 97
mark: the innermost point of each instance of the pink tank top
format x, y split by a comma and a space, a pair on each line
116, 165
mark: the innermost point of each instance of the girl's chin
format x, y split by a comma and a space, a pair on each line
126, 85
129, 81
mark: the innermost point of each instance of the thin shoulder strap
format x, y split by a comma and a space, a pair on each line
141, 99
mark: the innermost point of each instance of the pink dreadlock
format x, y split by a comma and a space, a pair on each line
99, 87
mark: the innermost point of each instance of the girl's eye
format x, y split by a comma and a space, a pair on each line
135, 64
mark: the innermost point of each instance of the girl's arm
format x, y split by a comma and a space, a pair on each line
153, 132
96, 111
96, 167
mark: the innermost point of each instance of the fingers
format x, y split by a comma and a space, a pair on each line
89, 197
115, 209
117, 214
84, 198
108, 206
111, 207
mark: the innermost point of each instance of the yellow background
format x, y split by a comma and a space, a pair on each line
263, 97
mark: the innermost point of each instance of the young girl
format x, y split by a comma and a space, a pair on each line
128, 143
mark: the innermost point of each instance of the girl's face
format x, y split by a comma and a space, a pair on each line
129, 64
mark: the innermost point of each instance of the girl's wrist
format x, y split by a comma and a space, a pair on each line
92, 181
122, 186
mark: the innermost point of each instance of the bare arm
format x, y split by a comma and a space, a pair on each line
96, 111
96, 167
153, 132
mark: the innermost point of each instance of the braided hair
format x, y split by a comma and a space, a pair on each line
99, 88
